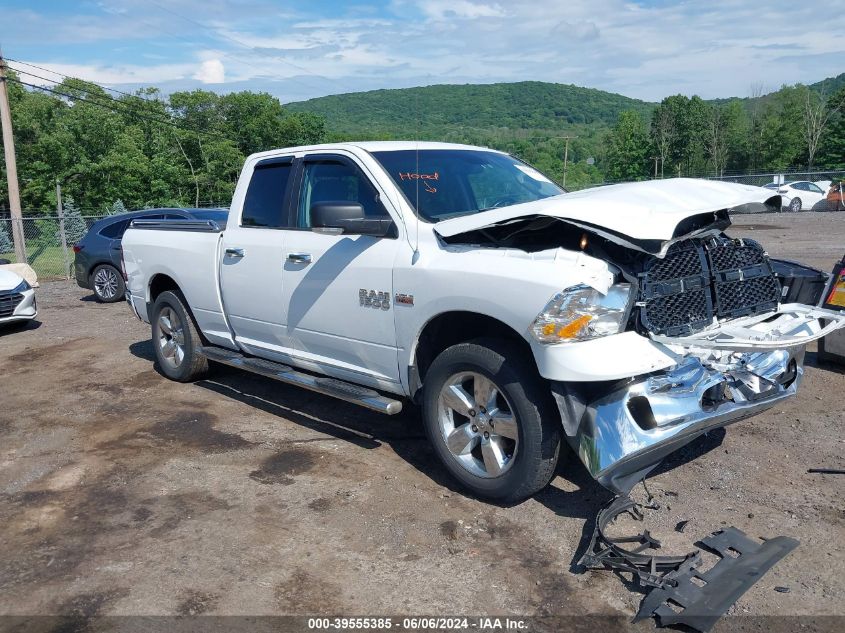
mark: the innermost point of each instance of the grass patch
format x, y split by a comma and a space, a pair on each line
47, 261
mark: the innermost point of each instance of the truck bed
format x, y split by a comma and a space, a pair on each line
186, 251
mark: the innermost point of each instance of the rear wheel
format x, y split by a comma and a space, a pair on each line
176, 340
107, 284
491, 419
795, 205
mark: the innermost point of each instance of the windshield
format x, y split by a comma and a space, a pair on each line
445, 183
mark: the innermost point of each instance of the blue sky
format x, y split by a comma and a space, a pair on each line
298, 49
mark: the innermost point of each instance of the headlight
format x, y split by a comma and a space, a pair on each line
22, 286
580, 313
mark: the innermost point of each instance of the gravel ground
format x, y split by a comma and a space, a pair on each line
124, 493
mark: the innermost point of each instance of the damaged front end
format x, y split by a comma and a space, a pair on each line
713, 304
625, 431
701, 339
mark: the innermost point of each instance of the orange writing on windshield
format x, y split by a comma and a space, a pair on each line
407, 175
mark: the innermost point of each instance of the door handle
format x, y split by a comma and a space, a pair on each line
299, 258
234, 252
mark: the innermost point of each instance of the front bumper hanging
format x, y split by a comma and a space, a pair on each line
794, 324
621, 431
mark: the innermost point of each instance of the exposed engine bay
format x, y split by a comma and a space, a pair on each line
683, 285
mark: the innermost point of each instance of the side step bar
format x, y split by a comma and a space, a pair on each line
321, 384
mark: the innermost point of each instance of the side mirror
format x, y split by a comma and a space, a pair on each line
347, 217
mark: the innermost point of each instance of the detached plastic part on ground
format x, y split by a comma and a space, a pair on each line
683, 593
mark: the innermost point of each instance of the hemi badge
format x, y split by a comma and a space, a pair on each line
407, 300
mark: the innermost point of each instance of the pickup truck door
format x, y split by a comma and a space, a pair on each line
253, 255
339, 288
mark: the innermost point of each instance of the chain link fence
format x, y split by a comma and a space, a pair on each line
48, 241
822, 178
760, 179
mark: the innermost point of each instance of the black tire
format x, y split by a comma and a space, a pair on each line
107, 284
795, 205
192, 365
529, 398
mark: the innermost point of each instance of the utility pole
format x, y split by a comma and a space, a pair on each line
11, 167
566, 156
61, 213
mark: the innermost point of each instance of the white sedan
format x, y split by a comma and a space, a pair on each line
800, 194
17, 298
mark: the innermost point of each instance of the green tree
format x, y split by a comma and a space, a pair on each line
725, 134
688, 116
781, 139
627, 149
6, 245
663, 132
818, 110
832, 150
117, 207
75, 226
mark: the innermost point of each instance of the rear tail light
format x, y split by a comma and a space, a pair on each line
77, 248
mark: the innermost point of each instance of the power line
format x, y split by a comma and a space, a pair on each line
109, 106
63, 76
116, 110
187, 128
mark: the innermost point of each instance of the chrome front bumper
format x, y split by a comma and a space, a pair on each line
622, 434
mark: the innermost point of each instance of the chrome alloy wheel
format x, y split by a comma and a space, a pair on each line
171, 338
105, 283
478, 424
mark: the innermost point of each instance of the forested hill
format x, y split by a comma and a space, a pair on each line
531, 105
829, 85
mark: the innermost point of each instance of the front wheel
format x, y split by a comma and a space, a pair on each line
795, 205
491, 419
176, 340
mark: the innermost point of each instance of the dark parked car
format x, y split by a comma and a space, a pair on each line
97, 261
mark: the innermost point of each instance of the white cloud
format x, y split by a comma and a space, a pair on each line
442, 9
642, 49
111, 75
211, 71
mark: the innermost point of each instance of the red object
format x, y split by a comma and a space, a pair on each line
76, 248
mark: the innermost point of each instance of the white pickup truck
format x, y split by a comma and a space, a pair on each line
620, 319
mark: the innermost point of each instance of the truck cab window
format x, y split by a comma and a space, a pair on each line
335, 181
265, 197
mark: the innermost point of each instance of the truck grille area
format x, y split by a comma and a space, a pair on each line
697, 280
8, 302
